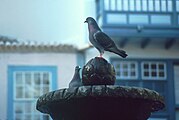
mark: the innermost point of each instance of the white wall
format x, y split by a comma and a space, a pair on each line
65, 63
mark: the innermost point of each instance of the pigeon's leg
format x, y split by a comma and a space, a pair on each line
101, 51
101, 55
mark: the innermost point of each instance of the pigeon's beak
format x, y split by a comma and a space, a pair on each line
85, 21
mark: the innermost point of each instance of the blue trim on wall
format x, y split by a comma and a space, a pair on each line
14, 68
171, 91
10, 95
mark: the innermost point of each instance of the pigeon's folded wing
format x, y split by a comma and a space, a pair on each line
108, 44
104, 40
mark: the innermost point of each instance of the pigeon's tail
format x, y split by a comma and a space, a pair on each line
120, 53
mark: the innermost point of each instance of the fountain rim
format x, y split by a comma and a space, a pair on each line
98, 91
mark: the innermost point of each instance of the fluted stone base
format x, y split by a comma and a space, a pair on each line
100, 103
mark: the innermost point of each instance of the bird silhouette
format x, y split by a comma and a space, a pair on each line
76, 80
100, 40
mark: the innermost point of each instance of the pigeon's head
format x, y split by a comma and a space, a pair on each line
91, 21
77, 68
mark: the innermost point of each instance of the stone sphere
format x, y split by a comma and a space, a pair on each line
98, 72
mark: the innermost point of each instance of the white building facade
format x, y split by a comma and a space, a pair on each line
28, 71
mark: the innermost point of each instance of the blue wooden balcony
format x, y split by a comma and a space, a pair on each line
139, 18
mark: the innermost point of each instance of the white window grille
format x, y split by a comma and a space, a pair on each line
154, 70
126, 69
28, 86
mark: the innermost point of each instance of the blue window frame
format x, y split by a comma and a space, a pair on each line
25, 85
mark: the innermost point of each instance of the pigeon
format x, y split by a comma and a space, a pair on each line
101, 41
76, 80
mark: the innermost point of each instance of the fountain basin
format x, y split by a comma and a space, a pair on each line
100, 102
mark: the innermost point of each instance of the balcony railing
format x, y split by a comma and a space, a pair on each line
160, 13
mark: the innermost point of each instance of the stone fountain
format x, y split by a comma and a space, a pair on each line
99, 99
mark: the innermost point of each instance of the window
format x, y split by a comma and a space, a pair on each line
160, 19
126, 69
28, 83
177, 5
106, 4
138, 19
116, 18
28, 86
153, 70
113, 4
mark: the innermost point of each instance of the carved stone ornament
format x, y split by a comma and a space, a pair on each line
98, 72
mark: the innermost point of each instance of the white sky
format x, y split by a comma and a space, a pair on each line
45, 20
